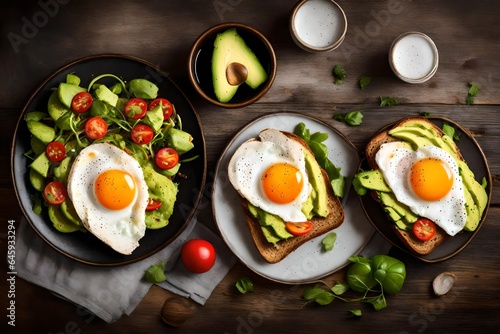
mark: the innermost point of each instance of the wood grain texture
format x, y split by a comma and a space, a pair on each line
162, 32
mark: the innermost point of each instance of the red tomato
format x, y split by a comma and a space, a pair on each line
55, 151
153, 204
54, 192
198, 255
299, 229
166, 158
165, 105
142, 134
424, 229
81, 102
136, 108
96, 127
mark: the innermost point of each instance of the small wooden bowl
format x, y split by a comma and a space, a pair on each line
200, 65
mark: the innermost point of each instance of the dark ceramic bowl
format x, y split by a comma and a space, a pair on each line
200, 65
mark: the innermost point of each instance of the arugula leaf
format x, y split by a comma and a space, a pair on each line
244, 284
156, 273
388, 101
353, 118
329, 241
339, 74
364, 81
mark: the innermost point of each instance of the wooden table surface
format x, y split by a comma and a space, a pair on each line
40, 37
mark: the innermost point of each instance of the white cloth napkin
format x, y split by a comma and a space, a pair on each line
110, 292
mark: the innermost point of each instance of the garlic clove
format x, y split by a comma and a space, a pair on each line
443, 283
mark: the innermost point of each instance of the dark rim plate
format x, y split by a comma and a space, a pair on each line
84, 247
475, 158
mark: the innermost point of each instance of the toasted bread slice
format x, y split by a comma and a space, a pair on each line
273, 254
407, 237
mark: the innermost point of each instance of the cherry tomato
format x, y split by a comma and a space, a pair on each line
55, 151
54, 192
166, 106
153, 204
198, 255
424, 229
166, 158
96, 127
81, 102
142, 134
136, 108
299, 229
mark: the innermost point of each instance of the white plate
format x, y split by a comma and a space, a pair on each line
307, 263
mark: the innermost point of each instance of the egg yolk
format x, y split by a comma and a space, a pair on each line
282, 183
431, 179
115, 189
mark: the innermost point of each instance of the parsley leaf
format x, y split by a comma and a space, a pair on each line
244, 284
388, 101
339, 74
364, 81
329, 241
352, 118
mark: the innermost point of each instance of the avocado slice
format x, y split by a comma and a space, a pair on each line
229, 48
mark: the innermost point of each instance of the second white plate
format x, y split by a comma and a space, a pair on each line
308, 262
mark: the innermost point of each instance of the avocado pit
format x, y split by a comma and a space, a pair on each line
236, 74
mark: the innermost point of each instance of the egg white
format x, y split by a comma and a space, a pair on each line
253, 158
120, 229
395, 161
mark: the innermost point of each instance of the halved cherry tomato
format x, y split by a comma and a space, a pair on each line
142, 134
165, 105
96, 127
299, 229
55, 192
136, 108
81, 102
166, 158
424, 229
153, 204
55, 151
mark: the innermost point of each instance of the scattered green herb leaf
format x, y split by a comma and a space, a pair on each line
156, 273
356, 313
339, 288
388, 101
339, 74
318, 295
353, 118
450, 132
484, 183
473, 90
364, 81
244, 284
425, 113
329, 241
378, 302
320, 151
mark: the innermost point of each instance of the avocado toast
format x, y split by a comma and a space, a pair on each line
418, 132
322, 208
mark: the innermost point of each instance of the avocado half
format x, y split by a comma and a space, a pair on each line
229, 48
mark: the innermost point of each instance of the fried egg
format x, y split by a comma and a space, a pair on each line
427, 180
110, 195
271, 174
